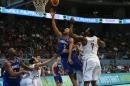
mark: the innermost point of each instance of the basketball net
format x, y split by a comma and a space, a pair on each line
40, 6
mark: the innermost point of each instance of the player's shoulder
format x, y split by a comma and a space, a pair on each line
94, 37
55, 64
6, 63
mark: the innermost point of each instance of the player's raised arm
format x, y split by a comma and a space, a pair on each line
54, 26
46, 62
71, 27
101, 43
73, 35
25, 66
77, 37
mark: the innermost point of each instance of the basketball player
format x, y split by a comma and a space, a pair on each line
12, 72
33, 78
27, 79
57, 69
65, 50
79, 73
91, 63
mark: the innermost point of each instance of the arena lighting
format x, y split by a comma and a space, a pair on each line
64, 17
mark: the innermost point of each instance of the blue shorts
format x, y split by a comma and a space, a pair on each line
70, 68
58, 79
11, 82
77, 64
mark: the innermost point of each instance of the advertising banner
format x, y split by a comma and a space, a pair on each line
105, 79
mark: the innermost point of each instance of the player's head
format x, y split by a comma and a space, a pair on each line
90, 32
11, 52
58, 59
66, 31
38, 58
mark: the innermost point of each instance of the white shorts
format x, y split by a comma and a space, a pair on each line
79, 75
37, 82
26, 82
91, 69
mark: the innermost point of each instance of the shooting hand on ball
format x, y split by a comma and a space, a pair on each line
72, 21
52, 12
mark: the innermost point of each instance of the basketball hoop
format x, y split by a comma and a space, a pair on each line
40, 6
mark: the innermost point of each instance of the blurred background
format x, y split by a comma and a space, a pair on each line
34, 36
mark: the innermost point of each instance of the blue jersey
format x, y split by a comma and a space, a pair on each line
63, 46
63, 51
9, 80
58, 69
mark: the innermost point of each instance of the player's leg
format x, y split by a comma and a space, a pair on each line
60, 80
78, 67
35, 82
88, 67
96, 73
86, 83
73, 79
60, 84
69, 70
79, 75
38, 81
57, 84
93, 83
56, 80
72, 75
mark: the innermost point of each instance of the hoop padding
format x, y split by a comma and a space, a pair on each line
40, 6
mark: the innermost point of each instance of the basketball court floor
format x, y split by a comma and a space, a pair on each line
122, 85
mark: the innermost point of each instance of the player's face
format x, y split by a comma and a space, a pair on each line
58, 60
39, 58
66, 31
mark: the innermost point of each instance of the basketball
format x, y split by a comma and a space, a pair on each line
55, 2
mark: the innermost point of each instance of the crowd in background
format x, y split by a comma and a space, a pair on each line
115, 69
35, 36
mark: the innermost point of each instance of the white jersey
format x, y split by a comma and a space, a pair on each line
36, 76
91, 48
27, 79
35, 73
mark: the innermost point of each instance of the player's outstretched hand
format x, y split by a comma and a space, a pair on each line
52, 12
70, 61
72, 21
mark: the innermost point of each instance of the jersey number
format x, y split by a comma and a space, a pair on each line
92, 44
